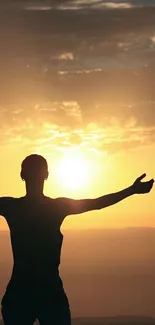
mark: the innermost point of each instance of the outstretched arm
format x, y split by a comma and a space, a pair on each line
71, 206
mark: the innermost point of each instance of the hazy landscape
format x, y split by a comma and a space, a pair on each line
106, 273
110, 321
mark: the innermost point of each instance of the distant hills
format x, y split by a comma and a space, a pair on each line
122, 320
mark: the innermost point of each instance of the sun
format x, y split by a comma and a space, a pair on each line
73, 170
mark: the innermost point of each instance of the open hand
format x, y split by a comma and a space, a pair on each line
142, 187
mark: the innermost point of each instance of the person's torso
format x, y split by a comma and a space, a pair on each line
35, 237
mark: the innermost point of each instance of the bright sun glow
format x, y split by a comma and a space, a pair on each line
73, 170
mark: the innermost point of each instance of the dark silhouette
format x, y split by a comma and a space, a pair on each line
35, 290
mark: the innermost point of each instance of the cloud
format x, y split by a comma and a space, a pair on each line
113, 5
82, 4
60, 125
38, 8
72, 109
66, 56
46, 5
153, 39
55, 33
74, 72
78, 77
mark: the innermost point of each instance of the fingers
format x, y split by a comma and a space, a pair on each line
141, 177
151, 182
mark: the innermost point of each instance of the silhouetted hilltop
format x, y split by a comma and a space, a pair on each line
121, 320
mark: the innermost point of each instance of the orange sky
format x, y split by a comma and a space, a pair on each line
105, 173
77, 85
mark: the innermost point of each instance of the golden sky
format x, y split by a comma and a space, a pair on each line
77, 85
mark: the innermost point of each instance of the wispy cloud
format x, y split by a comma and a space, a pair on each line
66, 56
46, 5
83, 4
38, 8
114, 130
113, 5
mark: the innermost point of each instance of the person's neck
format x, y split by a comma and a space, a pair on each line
34, 195
34, 191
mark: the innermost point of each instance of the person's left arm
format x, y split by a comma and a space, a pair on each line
78, 206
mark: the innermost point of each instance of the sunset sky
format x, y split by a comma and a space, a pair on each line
77, 86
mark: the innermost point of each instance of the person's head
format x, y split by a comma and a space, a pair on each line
34, 170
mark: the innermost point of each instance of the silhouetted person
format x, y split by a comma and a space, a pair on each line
35, 290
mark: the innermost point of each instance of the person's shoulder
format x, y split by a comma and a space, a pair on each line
57, 202
53, 199
48, 199
6, 204
6, 199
